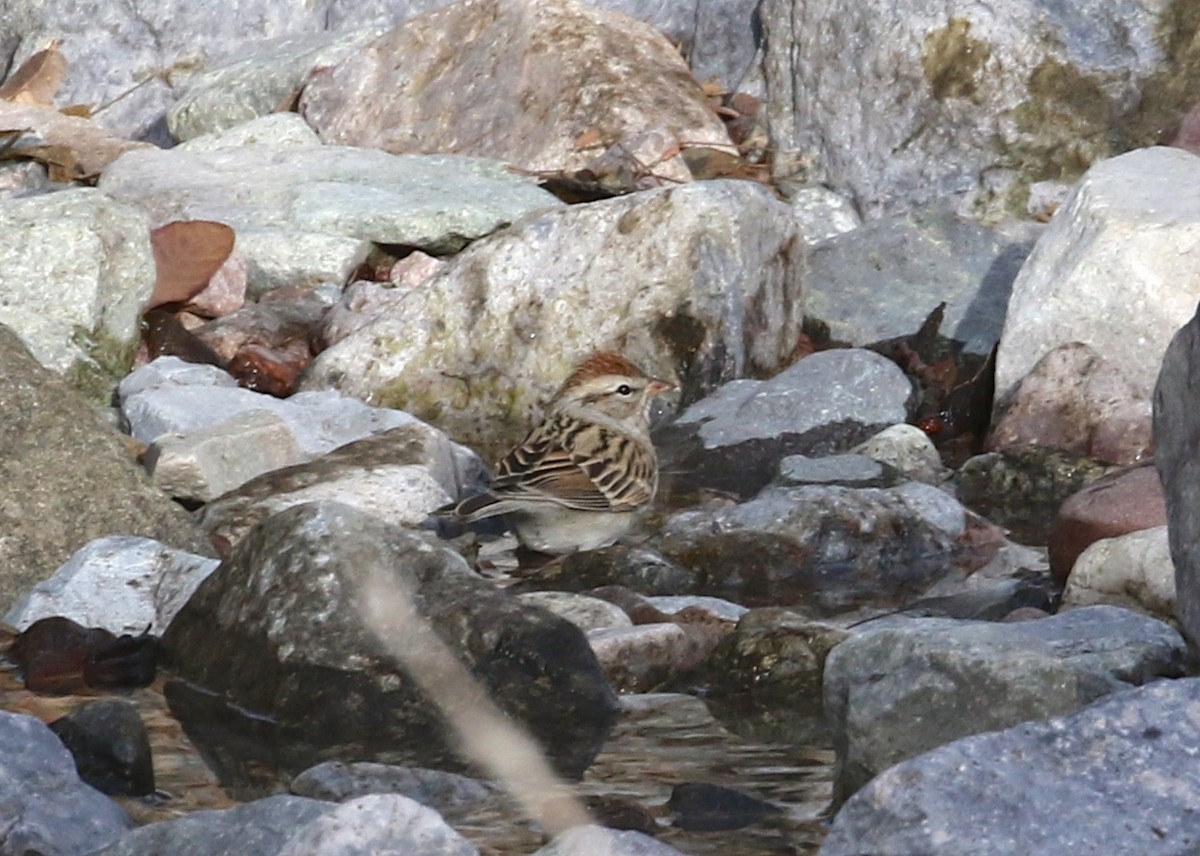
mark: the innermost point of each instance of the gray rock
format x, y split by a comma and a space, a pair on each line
539, 75
62, 457
821, 213
47, 808
194, 403
902, 687
122, 583
673, 278
638, 569
438, 789
717, 607
275, 130
254, 81
645, 657
310, 214
827, 549
279, 630
601, 839
1116, 777
909, 450
734, 439
1177, 459
262, 827
880, 281
110, 745
76, 268
843, 470
378, 823
400, 475
204, 463
1124, 239
972, 107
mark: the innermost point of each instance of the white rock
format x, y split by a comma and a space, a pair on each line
822, 213
1115, 269
277, 130
1134, 571
378, 823
122, 583
76, 268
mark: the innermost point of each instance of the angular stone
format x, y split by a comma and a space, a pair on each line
1116, 777
882, 280
310, 214
904, 687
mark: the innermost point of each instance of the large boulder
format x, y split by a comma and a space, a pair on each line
279, 631
541, 84
703, 280
1116, 777
1113, 271
903, 103
901, 688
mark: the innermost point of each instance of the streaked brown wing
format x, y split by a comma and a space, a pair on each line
561, 462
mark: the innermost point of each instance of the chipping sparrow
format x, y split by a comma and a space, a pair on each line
575, 481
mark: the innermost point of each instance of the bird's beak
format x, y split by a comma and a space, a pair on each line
658, 386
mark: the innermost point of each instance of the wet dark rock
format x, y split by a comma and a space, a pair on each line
706, 807
110, 745
640, 570
438, 789
1116, 777
57, 654
1022, 489
902, 687
774, 655
47, 809
1124, 501
616, 812
829, 549
102, 492
1177, 458
734, 439
880, 281
277, 630
987, 601
650, 656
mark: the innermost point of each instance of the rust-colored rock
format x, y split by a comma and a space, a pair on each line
1116, 504
1074, 400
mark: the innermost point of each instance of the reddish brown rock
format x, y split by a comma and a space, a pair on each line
1116, 504
545, 85
1074, 400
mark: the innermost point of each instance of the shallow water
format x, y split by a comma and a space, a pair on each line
660, 740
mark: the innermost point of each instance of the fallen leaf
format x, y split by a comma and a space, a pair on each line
92, 147
589, 138
38, 79
712, 87
186, 255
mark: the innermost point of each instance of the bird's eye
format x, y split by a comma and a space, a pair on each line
624, 389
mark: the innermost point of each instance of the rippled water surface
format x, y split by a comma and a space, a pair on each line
660, 740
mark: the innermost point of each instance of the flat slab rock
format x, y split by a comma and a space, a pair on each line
1119, 776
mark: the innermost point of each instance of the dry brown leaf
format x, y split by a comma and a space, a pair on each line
587, 139
60, 161
82, 111
38, 79
92, 147
186, 255
712, 88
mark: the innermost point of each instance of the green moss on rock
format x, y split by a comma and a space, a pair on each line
953, 61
